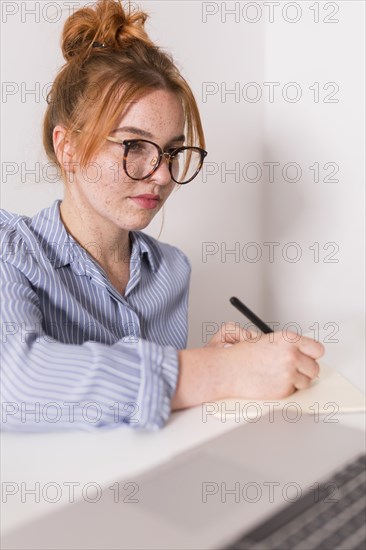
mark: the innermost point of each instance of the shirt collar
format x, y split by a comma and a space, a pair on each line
62, 249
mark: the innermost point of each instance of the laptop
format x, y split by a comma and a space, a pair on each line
209, 497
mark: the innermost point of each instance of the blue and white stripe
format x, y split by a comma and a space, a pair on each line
76, 354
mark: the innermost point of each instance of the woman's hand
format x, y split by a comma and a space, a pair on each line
253, 366
271, 366
229, 334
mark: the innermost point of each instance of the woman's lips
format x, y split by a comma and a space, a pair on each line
146, 201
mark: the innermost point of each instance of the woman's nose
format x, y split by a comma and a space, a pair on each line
162, 174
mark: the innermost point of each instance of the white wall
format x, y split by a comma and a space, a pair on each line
324, 129
217, 50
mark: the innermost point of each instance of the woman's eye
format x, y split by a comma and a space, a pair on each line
136, 146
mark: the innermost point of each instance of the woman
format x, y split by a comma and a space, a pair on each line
94, 310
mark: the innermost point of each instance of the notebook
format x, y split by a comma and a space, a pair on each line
329, 394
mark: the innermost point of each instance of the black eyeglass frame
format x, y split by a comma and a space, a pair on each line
169, 155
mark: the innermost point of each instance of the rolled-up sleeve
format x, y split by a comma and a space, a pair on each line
50, 385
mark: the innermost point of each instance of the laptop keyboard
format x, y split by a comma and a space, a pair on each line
334, 517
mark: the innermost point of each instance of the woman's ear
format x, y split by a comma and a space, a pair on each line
64, 149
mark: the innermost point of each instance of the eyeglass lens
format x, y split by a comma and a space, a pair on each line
143, 157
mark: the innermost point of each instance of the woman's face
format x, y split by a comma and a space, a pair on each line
105, 191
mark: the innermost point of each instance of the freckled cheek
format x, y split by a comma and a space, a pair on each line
106, 181
109, 174
107, 170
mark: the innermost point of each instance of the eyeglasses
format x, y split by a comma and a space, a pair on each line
142, 158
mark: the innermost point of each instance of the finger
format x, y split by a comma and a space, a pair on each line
301, 381
248, 335
310, 347
308, 367
231, 333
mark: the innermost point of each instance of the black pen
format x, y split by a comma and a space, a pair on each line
250, 315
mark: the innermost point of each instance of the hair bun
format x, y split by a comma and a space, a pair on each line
104, 23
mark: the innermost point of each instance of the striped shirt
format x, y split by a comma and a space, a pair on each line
76, 354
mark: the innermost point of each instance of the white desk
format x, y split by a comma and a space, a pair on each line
119, 454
